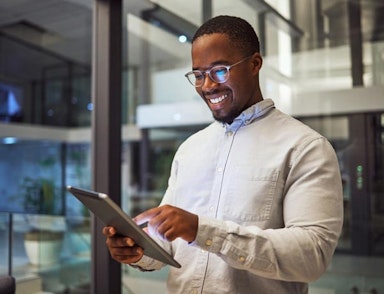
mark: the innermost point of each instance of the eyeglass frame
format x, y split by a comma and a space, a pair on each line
208, 71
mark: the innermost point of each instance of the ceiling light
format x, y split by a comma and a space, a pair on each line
182, 38
9, 140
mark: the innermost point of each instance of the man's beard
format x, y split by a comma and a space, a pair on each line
229, 117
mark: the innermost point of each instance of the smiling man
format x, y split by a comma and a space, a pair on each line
254, 202
219, 56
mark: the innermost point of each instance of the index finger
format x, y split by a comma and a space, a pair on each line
146, 215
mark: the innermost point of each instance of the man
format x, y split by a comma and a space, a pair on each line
254, 202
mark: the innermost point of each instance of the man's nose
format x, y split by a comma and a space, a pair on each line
208, 83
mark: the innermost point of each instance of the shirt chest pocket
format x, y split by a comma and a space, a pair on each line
251, 193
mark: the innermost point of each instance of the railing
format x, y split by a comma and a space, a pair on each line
57, 254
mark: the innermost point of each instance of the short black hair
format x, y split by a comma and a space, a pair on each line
239, 31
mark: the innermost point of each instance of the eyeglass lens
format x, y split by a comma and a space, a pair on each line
218, 73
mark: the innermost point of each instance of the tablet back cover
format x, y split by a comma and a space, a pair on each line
103, 207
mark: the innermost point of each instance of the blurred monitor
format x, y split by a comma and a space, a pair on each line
11, 102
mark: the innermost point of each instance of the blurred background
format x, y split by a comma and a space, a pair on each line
323, 64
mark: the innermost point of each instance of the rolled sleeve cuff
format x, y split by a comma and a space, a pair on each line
147, 264
210, 235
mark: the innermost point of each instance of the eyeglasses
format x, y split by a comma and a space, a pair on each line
217, 73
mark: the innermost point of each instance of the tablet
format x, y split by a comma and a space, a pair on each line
103, 207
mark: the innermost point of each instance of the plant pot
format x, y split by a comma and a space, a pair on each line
43, 247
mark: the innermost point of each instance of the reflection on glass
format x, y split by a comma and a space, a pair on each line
366, 176
36, 173
45, 66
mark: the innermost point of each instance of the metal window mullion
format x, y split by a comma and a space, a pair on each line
106, 133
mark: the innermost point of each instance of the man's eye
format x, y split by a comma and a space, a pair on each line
219, 72
198, 75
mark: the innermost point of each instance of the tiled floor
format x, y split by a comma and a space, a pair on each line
347, 274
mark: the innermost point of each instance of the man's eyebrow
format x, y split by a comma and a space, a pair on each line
218, 62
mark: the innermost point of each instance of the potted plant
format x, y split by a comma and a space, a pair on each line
43, 240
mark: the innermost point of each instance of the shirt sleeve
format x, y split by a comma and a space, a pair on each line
147, 264
312, 212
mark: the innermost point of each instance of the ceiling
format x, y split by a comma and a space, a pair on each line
36, 35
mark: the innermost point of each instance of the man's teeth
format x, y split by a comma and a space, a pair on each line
218, 99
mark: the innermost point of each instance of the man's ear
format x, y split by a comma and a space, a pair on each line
257, 62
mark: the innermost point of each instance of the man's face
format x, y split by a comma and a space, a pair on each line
226, 100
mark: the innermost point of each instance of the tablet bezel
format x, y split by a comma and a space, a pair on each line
105, 209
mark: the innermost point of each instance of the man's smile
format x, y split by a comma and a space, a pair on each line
218, 99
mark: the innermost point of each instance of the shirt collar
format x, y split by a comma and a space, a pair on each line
250, 114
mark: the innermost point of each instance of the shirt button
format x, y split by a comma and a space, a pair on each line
208, 242
194, 292
241, 259
230, 133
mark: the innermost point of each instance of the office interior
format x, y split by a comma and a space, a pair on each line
62, 96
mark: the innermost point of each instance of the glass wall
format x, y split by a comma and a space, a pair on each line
323, 63
45, 74
45, 63
45, 233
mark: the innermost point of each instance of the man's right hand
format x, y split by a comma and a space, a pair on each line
122, 249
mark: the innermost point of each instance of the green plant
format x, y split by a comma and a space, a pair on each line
38, 195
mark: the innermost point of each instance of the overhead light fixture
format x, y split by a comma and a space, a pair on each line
168, 21
9, 140
183, 38
90, 106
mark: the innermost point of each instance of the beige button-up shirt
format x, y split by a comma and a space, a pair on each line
268, 194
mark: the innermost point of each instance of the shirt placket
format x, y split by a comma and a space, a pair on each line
214, 204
